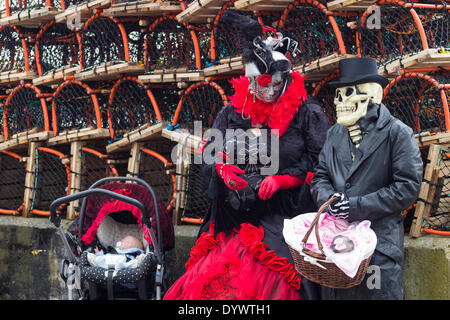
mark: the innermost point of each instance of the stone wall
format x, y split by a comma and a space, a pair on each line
31, 250
426, 271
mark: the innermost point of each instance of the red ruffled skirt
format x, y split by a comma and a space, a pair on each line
235, 266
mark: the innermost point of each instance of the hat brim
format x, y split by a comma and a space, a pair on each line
343, 82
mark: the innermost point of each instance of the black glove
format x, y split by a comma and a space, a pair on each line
341, 207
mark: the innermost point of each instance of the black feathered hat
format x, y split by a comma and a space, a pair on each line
261, 54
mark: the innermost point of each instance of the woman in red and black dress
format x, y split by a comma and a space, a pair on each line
240, 252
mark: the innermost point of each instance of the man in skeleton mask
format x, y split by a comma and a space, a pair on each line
371, 161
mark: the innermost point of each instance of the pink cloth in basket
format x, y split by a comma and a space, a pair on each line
329, 227
360, 233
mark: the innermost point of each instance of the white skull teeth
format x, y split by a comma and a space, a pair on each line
346, 108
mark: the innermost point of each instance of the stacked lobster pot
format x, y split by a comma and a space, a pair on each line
123, 87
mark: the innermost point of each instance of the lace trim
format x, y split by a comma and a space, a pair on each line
219, 288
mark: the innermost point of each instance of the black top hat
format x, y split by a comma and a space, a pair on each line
358, 70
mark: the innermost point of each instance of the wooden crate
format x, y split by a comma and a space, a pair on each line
84, 134
190, 141
262, 5
315, 70
201, 11
31, 18
76, 165
146, 132
82, 11
157, 169
22, 139
57, 76
164, 76
151, 162
187, 198
230, 66
46, 181
109, 71
88, 164
439, 214
186, 143
30, 179
426, 139
426, 199
321, 68
143, 8
12, 181
349, 5
16, 76
423, 60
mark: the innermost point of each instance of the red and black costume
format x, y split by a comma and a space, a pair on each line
242, 255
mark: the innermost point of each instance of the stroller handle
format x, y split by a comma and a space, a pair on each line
56, 220
139, 181
103, 180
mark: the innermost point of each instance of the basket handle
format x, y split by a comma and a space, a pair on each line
315, 223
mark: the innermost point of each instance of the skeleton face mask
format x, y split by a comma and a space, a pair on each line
351, 101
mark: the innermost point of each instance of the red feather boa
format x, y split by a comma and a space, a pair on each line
263, 113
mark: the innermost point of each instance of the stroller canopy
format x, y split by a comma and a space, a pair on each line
98, 207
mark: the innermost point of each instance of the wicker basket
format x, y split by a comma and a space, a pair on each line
318, 268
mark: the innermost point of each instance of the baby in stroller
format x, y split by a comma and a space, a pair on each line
119, 255
109, 270
126, 254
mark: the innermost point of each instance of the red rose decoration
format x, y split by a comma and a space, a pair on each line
203, 245
296, 283
264, 80
250, 235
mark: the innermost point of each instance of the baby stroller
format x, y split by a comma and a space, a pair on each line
111, 209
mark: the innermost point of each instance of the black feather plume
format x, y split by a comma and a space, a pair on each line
248, 27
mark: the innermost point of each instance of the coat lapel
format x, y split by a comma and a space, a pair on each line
341, 148
372, 140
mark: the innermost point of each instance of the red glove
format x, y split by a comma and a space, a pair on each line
228, 173
273, 183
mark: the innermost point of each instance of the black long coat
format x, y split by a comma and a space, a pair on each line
383, 180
